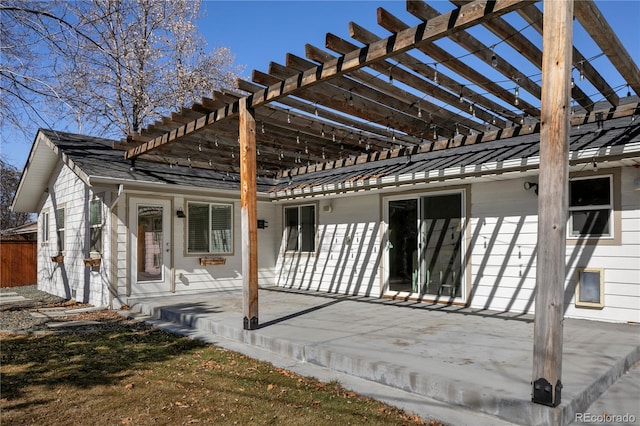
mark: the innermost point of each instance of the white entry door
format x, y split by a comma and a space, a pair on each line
150, 231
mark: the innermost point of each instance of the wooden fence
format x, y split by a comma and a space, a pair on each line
18, 263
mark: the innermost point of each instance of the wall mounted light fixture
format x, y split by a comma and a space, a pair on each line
531, 185
180, 213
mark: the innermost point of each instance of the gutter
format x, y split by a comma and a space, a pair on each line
177, 189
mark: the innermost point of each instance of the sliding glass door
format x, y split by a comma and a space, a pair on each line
425, 245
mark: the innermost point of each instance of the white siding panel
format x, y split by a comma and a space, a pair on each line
348, 255
502, 253
71, 279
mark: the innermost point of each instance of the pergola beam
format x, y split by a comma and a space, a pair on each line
425, 32
599, 29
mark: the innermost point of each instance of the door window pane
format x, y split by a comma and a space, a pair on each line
150, 264
403, 245
442, 244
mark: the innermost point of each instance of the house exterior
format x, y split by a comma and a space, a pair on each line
455, 226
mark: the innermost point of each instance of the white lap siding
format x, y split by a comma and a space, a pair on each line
347, 257
70, 279
503, 254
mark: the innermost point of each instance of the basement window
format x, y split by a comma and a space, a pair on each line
589, 288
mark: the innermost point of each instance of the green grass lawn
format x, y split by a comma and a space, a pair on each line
124, 372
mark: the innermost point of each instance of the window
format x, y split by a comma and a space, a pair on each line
589, 288
300, 222
60, 228
209, 228
95, 226
590, 207
45, 227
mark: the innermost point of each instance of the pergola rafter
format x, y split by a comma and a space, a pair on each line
378, 94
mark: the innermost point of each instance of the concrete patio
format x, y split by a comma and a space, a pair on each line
458, 365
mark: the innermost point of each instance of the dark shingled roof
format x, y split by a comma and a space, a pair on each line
616, 132
97, 158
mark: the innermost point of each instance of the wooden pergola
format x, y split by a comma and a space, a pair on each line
373, 98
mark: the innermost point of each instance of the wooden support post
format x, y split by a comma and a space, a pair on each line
553, 191
249, 216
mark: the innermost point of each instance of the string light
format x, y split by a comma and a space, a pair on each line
419, 110
516, 94
315, 109
200, 147
216, 141
628, 90
350, 98
435, 73
288, 118
298, 138
262, 127
494, 58
581, 70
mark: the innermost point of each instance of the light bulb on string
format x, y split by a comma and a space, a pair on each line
288, 118
581, 70
628, 90
435, 73
419, 111
494, 58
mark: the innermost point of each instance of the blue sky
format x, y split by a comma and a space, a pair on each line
258, 32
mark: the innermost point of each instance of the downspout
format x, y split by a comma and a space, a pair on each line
113, 282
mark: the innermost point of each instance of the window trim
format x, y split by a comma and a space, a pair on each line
232, 229
580, 304
615, 220
45, 227
60, 242
286, 231
99, 225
